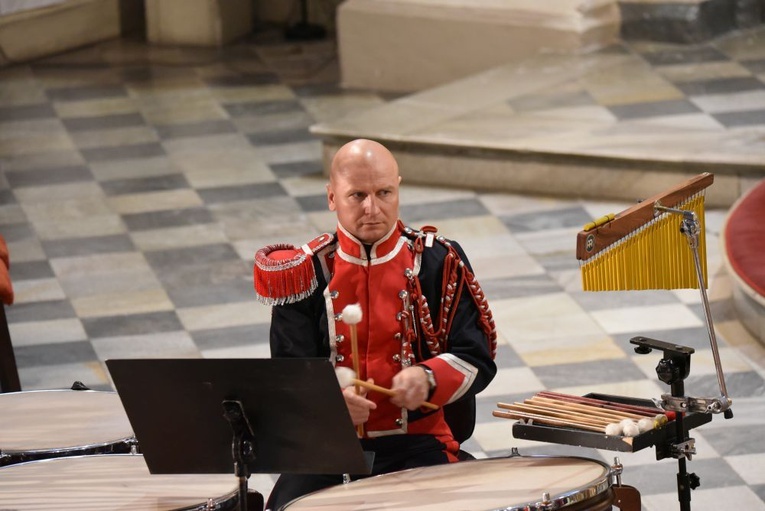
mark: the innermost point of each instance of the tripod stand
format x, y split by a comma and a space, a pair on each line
672, 370
675, 367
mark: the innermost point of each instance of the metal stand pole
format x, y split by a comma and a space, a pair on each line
242, 446
685, 481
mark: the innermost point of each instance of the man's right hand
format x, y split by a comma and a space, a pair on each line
358, 405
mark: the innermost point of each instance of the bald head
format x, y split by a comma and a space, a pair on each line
363, 189
362, 155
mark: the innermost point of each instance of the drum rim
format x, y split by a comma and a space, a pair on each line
592, 489
44, 391
68, 448
597, 486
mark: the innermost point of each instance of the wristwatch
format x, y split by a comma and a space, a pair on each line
431, 379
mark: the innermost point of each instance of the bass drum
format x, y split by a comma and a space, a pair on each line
518, 483
114, 481
54, 423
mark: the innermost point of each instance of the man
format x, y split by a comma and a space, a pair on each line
426, 331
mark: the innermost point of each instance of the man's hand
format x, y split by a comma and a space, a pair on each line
358, 405
411, 388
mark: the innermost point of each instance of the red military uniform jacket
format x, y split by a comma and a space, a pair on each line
420, 304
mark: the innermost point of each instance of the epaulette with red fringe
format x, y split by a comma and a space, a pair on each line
284, 273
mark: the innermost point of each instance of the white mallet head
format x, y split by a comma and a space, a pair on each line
345, 376
352, 314
631, 429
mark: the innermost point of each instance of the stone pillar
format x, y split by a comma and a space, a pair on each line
197, 22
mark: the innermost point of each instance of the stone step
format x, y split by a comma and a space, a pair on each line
604, 125
409, 45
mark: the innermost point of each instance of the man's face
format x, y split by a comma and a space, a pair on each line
365, 198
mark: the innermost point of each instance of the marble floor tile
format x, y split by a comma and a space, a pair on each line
136, 168
69, 352
748, 467
570, 349
88, 246
96, 144
27, 137
222, 316
263, 107
709, 70
103, 122
175, 108
292, 120
685, 56
26, 112
165, 345
516, 380
133, 324
522, 320
37, 290
174, 237
124, 302
85, 93
739, 101
615, 321
47, 332
146, 203
170, 181
48, 176
114, 106
195, 129
738, 497
741, 119
44, 310
144, 147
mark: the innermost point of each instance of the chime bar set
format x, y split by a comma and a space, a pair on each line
642, 247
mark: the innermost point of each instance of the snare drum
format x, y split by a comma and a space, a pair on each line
53, 423
114, 481
522, 483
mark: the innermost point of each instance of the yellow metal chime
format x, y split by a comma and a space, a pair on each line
644, 247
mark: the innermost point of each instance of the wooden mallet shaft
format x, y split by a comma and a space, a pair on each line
549, 421
388, 392
351, 316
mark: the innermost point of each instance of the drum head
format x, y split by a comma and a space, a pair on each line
114, 481
506, 484
61, 419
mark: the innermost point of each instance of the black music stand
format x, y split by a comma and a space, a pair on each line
241, 416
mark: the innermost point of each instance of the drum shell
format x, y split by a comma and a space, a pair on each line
114, 481
516, 483
44, 424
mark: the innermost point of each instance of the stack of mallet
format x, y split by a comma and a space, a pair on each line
589, 414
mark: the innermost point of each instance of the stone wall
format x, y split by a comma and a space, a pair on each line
687, 21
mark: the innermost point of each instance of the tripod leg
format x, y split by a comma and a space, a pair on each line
683, 486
